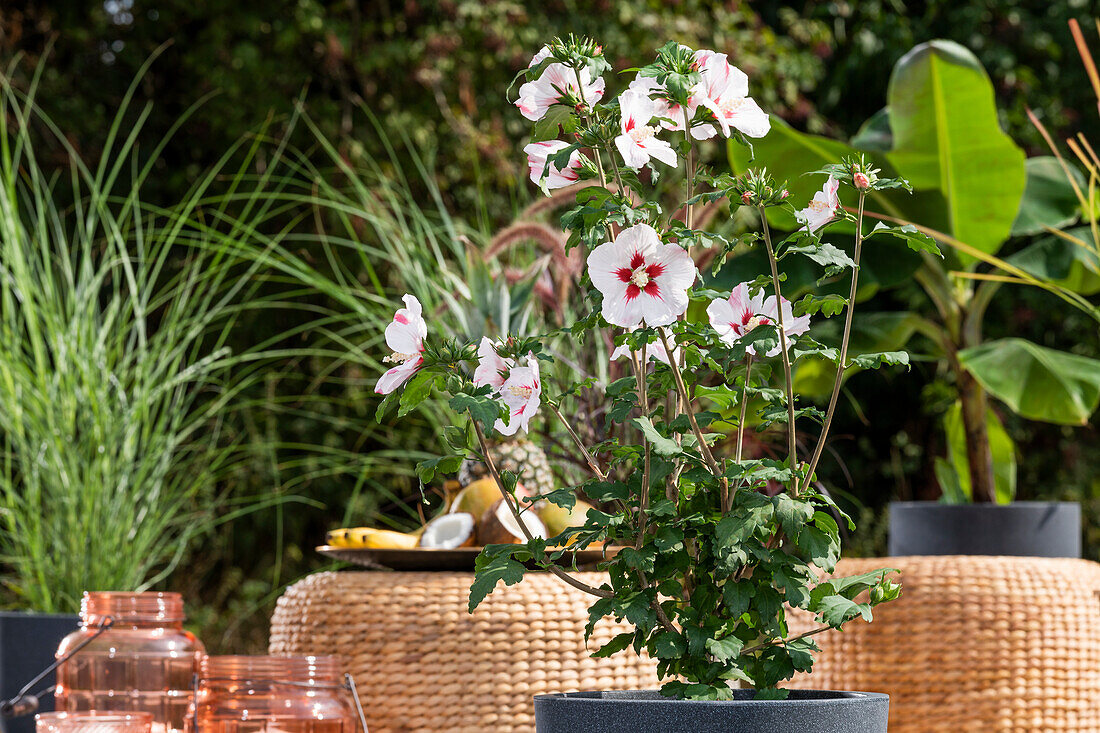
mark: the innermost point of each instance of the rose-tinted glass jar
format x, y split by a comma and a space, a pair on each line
144, 662
94, 722
272, 695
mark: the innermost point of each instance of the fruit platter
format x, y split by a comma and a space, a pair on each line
473, 515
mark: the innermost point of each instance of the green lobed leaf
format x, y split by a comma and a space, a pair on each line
822, 549
874, 361
829, 256
616, 645
737, 595
496, 563
416, 390
837, 610
667, 645
827, 305
914, 238
725, 649
660, 444
483, 409
548, 128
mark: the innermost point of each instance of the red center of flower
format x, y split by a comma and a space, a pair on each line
749, 321
641, 277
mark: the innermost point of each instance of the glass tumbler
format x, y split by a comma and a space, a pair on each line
144, 662
272, 695
94, 722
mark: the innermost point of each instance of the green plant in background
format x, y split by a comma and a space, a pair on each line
116, 384
449, 52
974, 192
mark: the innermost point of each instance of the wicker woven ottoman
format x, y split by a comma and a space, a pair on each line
423, 664
975, 644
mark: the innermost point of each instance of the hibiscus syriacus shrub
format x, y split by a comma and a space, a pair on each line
704, 554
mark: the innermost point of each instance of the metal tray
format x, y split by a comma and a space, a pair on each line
461, 558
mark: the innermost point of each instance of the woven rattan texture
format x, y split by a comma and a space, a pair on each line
423, 664
975, 644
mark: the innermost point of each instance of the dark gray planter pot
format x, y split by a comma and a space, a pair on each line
28, 642
646, 711
1023, 528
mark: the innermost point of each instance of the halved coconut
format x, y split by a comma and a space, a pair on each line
449, 531
498, 526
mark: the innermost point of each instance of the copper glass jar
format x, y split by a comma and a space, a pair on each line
144, 662
93, 722
272, 694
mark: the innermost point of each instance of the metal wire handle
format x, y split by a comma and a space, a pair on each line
26, 704
349, 686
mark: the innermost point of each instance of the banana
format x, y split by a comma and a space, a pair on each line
371, 538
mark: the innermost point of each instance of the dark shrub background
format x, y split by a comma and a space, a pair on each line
437, 71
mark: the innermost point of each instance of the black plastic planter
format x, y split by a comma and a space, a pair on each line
28, 642
646, 711
1023, 528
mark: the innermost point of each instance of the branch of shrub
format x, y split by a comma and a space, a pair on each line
510, 501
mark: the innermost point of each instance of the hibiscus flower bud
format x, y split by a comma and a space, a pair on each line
861, 181
784, 194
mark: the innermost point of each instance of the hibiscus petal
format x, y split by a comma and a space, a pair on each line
703, 132
722, 317
405, 334
661, 150
739, 299
665, 309
491, 367
712, 105
641, 238
750, 119
621, 311
634, 155
397, 376
737, 82
603, 264
678, 269
539, 57
506, 428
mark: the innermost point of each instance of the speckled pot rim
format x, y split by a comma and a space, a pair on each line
806, 698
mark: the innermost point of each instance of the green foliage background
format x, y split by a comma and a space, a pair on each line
436, 70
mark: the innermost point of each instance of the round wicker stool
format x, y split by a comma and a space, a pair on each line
989, 644
423, 664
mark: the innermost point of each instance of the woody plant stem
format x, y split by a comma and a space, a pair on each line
511, 502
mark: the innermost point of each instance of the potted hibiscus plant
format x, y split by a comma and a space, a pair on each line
707, 551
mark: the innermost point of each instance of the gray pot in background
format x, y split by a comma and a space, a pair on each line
28, 642
646, 711
1023, 528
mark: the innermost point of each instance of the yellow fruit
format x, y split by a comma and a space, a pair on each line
558, 519
371, 538
476, 497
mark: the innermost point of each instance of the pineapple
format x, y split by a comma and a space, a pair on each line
520, 456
